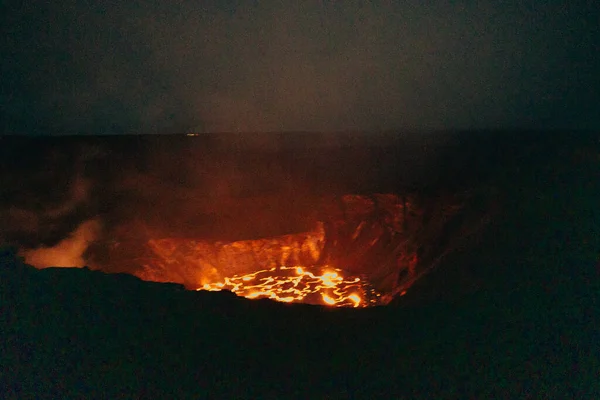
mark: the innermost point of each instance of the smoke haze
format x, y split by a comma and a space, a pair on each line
60, 194
151, 67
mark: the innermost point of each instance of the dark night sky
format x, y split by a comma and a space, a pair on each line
75, 66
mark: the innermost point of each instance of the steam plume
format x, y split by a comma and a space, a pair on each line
67, 253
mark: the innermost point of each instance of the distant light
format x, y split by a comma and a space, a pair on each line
192, 134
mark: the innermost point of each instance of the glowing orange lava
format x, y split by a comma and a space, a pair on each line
296, 284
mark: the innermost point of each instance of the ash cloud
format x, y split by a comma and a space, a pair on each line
234, 66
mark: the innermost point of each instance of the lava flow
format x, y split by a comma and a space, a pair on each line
296, 284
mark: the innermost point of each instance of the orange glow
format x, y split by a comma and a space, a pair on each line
355, 298
357, 233
330, 279
297, 284
328, 300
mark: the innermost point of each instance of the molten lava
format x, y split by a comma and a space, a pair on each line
296, 284
368, 236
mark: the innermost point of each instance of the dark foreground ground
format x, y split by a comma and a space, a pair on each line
527, 329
